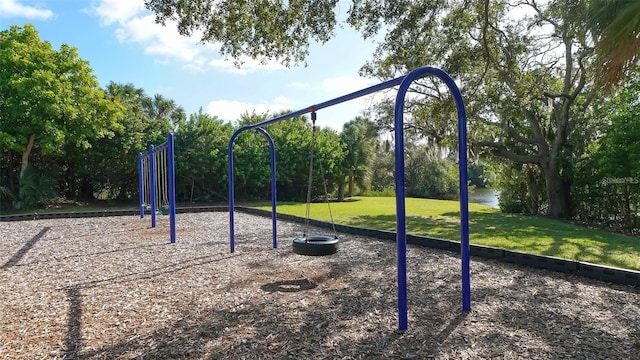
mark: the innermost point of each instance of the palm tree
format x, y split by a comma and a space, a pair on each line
616, 28
160, 108
360, 137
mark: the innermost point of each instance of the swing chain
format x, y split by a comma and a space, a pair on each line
310, 183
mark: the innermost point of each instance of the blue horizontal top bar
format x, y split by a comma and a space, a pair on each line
322, 105
161, 146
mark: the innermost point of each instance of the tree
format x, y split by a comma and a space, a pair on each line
608, 176
160, 108
292, 139
201, 158
616, 27
527, 80
383, 169
109, 168
49, 100
427, 174
255, 28
360, 137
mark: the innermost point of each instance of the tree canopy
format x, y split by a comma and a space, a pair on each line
527, 79
262, 29
48, 98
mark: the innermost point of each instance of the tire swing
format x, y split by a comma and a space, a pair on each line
315, 245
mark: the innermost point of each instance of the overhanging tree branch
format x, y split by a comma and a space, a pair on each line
501, 150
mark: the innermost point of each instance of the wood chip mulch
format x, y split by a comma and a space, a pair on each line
115, 288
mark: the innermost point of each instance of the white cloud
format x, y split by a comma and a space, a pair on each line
248, 65
232, 110
283, 100
163, 41
161, 61
298, 85
197, 65
13, 8
345, 84
117, 11
136, 25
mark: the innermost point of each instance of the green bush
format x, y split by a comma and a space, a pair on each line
36, 189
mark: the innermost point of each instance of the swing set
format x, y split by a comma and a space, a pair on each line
401, 236
156, 182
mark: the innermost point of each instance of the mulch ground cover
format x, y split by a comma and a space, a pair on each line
115, 288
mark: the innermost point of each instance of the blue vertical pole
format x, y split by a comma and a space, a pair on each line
141, 184
172, 188
232, 238
272, 163
465, 252
152, 185
274, 213
401, 233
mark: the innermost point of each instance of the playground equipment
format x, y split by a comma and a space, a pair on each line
401, 242
315, 245
156, 181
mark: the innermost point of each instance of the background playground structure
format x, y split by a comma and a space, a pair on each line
156, 179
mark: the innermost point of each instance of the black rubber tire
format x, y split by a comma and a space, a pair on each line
315, 245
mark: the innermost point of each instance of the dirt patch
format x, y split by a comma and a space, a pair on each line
113, 288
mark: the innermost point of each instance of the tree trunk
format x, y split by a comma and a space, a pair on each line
25, 155
350, 192
341, 190
532, 189
86, 189
558, 193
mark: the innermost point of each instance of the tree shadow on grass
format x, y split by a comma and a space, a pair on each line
527, 234
552, 237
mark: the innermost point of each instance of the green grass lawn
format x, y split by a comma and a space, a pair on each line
488, 226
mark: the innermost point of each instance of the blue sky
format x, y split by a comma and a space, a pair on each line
123, 44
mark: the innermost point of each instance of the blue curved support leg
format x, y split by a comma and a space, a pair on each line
400, 191
272, 164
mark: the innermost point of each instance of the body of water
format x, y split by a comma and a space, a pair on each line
484, 196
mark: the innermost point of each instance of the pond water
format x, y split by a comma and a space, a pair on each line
484, 196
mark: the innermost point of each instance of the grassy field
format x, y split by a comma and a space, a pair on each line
488, 226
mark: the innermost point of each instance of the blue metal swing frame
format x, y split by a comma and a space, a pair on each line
401, 235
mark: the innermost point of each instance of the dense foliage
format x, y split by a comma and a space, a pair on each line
527, 68
607, 188
50, 106
554, 141
63, 136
